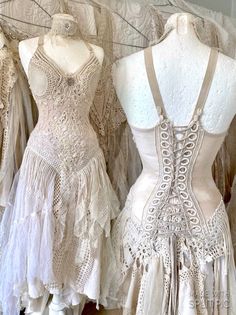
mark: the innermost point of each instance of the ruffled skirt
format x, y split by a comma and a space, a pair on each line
54, 234
173, 274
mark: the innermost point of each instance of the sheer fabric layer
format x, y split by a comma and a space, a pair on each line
55, 230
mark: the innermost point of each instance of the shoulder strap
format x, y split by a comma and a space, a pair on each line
207, 82
153, 83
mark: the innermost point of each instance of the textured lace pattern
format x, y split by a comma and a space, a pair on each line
163, 253
8, 79
174, 237
62, 203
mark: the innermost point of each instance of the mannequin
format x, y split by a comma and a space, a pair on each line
3, 40
72, 48
179, 110
183, 58
62, 40
130, 80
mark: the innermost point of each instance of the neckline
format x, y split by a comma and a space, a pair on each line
204, 90
60, 71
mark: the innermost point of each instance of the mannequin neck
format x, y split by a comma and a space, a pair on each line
64, 25
183, 35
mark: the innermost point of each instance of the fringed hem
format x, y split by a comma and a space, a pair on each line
148, 289
51, 235
184, 276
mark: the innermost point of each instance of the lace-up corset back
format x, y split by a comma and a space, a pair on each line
183, 195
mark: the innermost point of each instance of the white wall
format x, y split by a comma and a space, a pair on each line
227, 7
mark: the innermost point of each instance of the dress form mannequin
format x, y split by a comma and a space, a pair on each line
183, 59
179, 110
62, 40
3, 40
73, 50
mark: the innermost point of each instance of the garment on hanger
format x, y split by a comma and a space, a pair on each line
178, 257
15, 121
54, 233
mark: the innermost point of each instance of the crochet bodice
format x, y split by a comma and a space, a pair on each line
64, 102
177, 163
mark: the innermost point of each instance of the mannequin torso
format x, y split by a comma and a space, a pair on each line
68, 55
183, 59
74, 52
180, 63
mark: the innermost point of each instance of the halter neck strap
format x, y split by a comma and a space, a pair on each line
207, 82
155, 89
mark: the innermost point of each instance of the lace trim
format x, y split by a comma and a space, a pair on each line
66, 224
7, 81
179, 257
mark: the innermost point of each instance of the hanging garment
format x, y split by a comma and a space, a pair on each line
54, 233
15, 121
8, 129
175, 254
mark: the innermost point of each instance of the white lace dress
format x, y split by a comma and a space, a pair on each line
173, 245
55, 230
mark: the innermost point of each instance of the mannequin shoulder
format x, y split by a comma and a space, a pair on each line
227, 67
129, 62
99, 52
131, 67
27, 49
28, 45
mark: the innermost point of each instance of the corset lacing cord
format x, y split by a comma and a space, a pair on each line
177, 158
173, 194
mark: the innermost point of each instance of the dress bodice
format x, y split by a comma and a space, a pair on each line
63, 101
176, 191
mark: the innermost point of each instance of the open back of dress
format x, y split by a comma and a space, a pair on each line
176, 257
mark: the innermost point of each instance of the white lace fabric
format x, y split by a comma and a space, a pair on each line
55, 231
15, 121
177, 257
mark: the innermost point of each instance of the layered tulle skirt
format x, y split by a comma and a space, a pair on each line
54, 234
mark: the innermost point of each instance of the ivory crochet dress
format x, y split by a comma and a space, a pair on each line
54, 233
176, 257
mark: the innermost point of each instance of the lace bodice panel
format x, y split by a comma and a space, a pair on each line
158, 149
176, 192
64, 102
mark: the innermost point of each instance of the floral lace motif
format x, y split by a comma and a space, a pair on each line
8, 78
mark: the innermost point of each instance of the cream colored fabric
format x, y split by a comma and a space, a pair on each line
173, 246
16, 121
54, 234
110, 24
